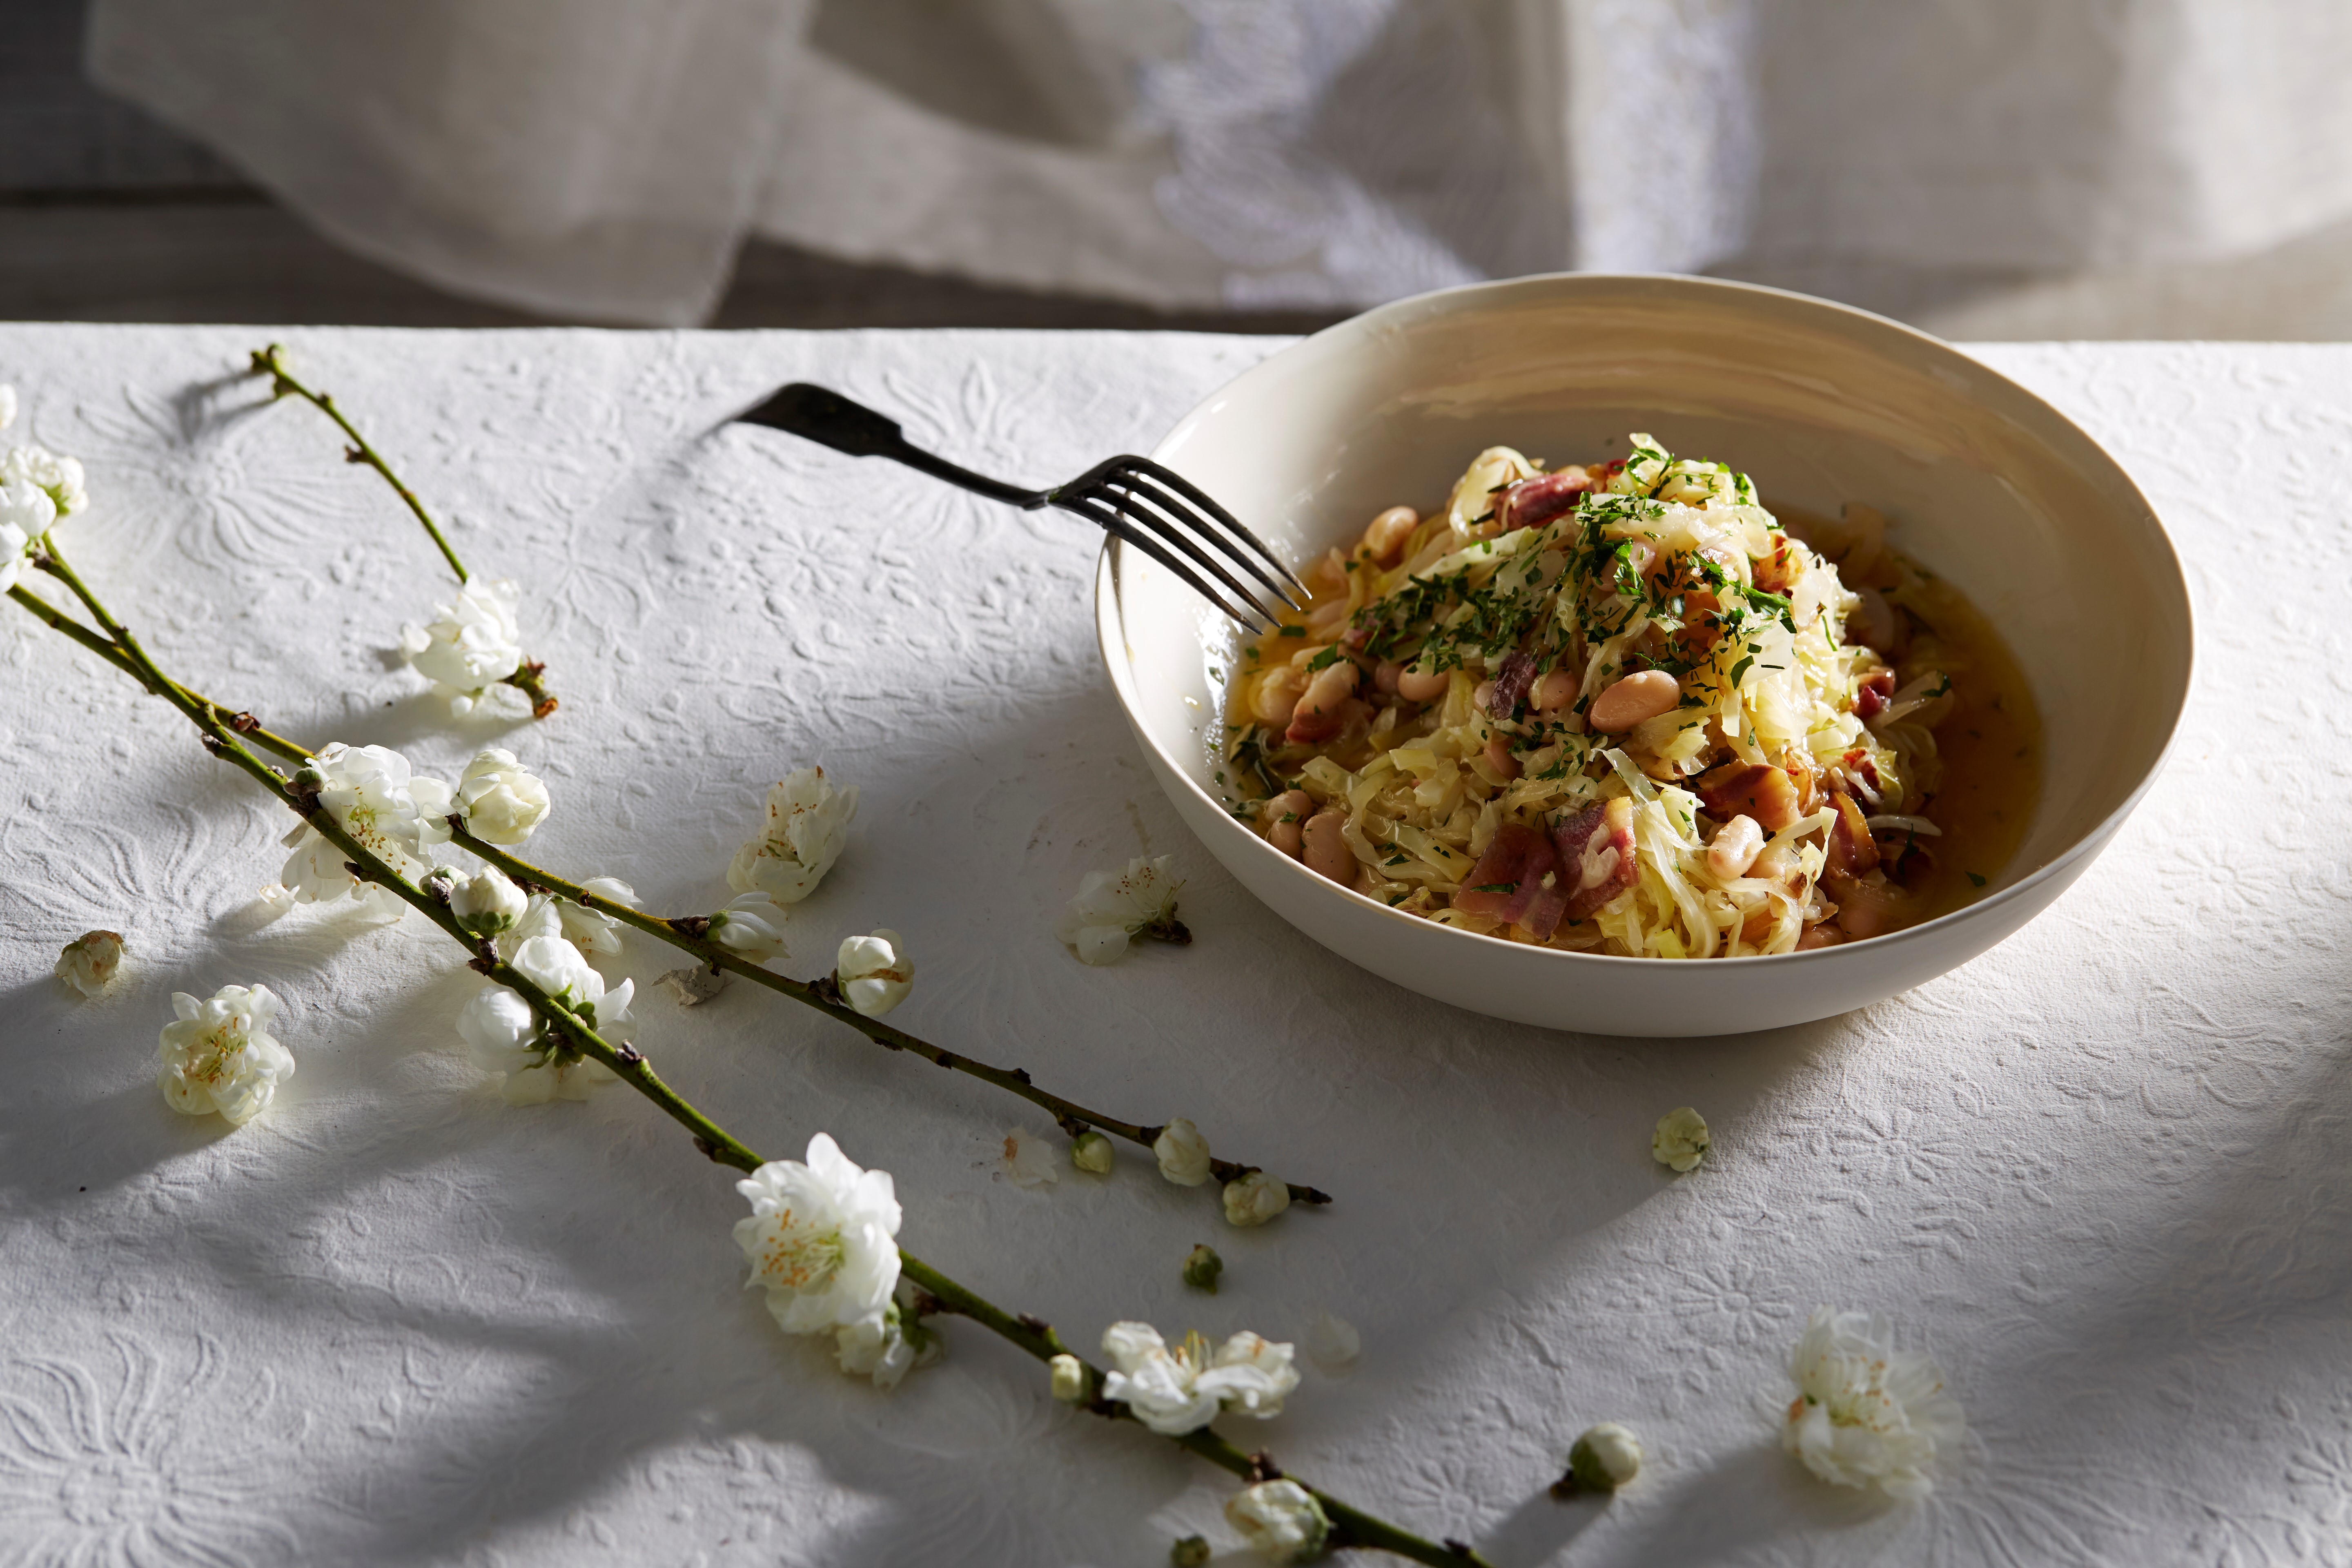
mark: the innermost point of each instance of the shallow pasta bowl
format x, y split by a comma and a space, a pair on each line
1986, 485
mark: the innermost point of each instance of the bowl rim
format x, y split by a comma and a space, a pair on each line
1111, 608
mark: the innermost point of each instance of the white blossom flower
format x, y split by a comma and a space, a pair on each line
488, 903
473, 643
1680, 1141
750, 927
1111, 908
1177, 1391
887, 1352
542, 916
1182, 1153
317, 872
589, 930
1091, 1151
368, 790
61, 479
1279, 1518
90, 961
1867, 1412
505, 1035
435, 801
1069, 1378
875, 972
1254, 1198
1333, 1344
807, 828
219, 1055
592, 930
26, 513
821, 1237
501, 801
1028, 1160
1606, 1458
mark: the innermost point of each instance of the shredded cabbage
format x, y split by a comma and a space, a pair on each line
1534, 595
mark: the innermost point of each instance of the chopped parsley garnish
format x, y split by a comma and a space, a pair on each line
1979, 881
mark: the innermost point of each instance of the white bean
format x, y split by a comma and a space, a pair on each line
1415, 687
1385, 539
1643, 695
1285, 818
1737, 845
1555, 691
1277, 696
1326, 850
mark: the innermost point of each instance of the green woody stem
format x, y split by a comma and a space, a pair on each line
244, 724
530, 677
686, 933
271, 362
1350, 1527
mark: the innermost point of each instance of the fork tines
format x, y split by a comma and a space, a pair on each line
1154, 508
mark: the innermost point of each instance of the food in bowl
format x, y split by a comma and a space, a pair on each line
1619, 708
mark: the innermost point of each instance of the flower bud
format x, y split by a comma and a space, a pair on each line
1254, 1198
1680, 1141
488, 903
747, 927
874, 973
503, 802
1190, 1552
1280, 1518
1092, 1152
91, 960
1202, 1267
1070, 1378
1183, 1153
1604, 1459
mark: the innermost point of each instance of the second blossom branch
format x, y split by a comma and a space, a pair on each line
1182, 1152
473, 642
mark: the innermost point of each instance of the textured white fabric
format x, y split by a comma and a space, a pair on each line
2099, 1173
601, 158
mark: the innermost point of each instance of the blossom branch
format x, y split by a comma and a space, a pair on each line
271, 362
1350, 1526
686, 933
681, 931
529, 676
243, 723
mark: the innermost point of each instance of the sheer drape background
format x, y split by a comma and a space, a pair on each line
598, 159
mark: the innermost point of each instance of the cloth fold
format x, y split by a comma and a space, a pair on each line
592, 158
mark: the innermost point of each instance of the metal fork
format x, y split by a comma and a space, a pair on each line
1150, 506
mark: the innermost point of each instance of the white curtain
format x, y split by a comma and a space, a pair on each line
604, 159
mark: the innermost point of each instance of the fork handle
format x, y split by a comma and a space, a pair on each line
821, 415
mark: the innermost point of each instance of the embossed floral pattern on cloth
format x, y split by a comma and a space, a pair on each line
2098, 1171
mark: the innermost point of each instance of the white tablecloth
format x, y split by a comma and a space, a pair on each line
2101, 1173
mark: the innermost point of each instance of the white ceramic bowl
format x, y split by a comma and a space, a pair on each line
1987, 484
